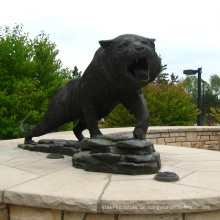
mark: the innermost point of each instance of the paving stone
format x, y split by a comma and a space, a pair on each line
42, 168
68, 189
150, 193
199, 157
5, 158
11, 177
178, 150
21, 160
198, 179
211, 166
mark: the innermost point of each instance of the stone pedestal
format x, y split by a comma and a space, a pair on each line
118, 154
110, 154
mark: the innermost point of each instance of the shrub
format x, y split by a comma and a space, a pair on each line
168, 105
29, 76
215, 116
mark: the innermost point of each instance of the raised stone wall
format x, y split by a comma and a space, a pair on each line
4, 215
195, 137
191, 137
17, 212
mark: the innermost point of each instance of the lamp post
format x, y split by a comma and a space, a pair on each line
193, 72
203, 99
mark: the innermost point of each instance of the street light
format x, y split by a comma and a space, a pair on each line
193, 72
203, 99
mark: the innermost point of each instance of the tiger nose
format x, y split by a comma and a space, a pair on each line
138, 46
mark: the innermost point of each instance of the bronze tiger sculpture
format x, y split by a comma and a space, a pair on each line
118, 71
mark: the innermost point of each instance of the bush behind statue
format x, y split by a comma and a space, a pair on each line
168, 105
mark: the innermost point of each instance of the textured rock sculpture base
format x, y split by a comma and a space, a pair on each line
109, 154
117, 154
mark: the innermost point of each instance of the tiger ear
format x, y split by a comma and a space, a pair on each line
152, 39
105, 43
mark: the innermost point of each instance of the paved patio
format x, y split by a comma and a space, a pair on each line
30, 179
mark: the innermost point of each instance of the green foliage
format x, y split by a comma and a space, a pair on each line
215, 84
209, 95
215, 114
29, 76
119, 117
168, 104
76, 73
191, 86
174, 78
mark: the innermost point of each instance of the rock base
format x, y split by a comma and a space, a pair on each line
110, 154
118, 154
66, 147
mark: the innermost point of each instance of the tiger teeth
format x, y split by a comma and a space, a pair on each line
140, 72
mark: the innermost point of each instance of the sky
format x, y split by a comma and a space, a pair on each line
187, 32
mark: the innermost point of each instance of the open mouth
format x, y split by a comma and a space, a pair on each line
138, 69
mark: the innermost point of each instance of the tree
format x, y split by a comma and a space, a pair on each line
30, 74
191, 86
215, 84
209, 95
162, 77
215, 116
168, 104
174, 78
76, 73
